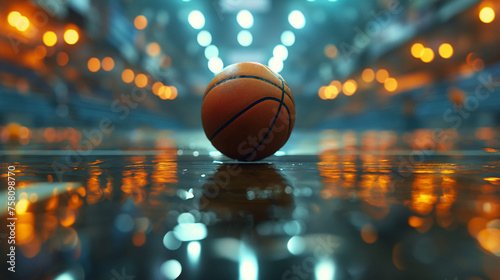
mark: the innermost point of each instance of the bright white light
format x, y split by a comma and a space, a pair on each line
204, 38
211, 51
190, 232
275, 64
249, 268
215, 65
245, 38
215, 153
193, 250
325, 270
280, 52
297, 19
65, 276
171, 269
245, 19
296, 245
287, 38
196, 19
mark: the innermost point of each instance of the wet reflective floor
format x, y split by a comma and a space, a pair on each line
319, 209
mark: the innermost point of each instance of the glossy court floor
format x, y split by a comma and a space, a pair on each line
329, 205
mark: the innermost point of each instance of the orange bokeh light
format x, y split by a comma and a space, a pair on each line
94, 64
350, 87
141, 80
108, 63
153, 49
156, 87
417, 49
71, 36
49, 38
427, 55
174, 92
391, 84
321, 92
487, 14
165, 92
445, 50
140, 22
128, 76
368, 75
382, 75
331, 51
331, 92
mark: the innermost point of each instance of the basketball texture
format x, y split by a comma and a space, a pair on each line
248, 111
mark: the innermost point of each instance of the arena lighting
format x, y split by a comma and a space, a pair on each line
297, 19
196, 19
245, 19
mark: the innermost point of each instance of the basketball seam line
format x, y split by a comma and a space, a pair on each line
280, 78
272, 124
243, 111
249, 77
293, 102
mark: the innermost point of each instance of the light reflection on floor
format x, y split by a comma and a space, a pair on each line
354, 208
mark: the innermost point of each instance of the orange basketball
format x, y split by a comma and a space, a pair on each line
248, 111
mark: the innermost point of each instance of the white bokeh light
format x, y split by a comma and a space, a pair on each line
287, 38
245, 19
296, 245
171, 269
324, 270
215, 65
245, 38
211, 51
196, 19
275, 64
204, 38
193, 251
280, 52
297, 19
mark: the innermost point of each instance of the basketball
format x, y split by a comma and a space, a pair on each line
248, 111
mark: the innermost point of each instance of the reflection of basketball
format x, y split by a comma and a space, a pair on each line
239, 191
248, 111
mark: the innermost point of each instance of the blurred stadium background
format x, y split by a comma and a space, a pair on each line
379, 85
357, 65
